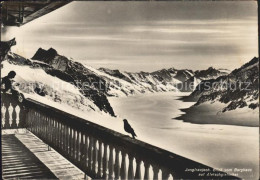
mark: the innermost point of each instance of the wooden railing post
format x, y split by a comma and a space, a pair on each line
35, 123
61, 137
67, 139
73, 144
99, 173
146, 170
138, 169
110, 162
10, 112
13, 114
24, 112
77, 146
90, 154
155, 172
86, 147
3, 116
105, 161
130, 168
17, 116
70, 143
55, 133
165, 174
82, 152
48, 131
117, 166
123, 166
94, 155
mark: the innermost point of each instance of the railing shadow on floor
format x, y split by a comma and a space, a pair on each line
18, 162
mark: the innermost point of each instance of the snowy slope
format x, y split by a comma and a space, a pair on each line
56, 90
88, 83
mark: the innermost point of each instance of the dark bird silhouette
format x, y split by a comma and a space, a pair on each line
129, 129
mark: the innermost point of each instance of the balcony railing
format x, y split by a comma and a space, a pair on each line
100, 152
12, 112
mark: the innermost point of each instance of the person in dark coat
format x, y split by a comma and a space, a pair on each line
129, 129
6, 83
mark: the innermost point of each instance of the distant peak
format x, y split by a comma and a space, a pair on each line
51, 50
211, 68
45, 55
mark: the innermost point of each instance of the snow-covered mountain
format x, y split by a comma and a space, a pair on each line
121, 83
52, 89
127, 83
55, 84
238, 89
163, 80
211, 73
97, 84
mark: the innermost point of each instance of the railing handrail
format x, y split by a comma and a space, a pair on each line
140, 149
84, 124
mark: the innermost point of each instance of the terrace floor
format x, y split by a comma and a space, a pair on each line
24, 156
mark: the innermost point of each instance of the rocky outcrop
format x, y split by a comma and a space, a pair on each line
199, 76
115, 73
90, 85
45, 56
238, 89
210, 73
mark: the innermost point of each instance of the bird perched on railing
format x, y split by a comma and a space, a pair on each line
129, 129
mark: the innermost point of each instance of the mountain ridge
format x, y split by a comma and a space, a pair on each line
238, 89
98, 84
158, 81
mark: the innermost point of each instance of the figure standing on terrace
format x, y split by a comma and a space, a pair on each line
6, 82
7, 85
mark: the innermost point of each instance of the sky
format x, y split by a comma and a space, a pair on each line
145, 36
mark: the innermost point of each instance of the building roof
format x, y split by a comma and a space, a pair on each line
18, 13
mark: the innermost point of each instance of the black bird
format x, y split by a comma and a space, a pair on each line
129, 129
